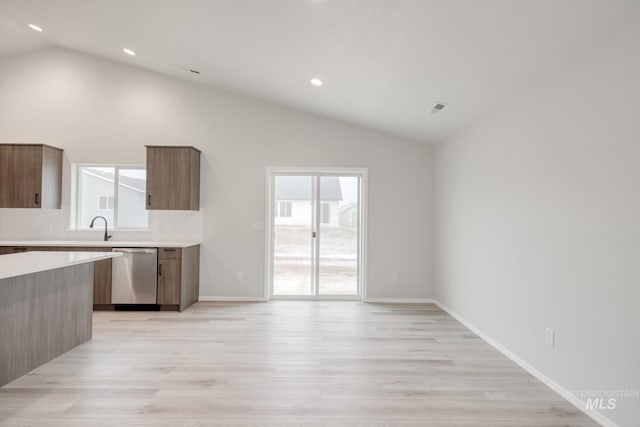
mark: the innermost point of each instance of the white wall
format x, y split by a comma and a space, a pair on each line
538, 224
104, 112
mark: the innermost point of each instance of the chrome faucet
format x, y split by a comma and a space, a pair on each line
106, 235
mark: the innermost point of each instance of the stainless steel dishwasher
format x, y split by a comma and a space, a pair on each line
134, 278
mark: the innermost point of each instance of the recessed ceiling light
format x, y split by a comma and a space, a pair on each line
316, 82
35, 27
129, 52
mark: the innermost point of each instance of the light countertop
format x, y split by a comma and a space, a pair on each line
13, 265
99, 243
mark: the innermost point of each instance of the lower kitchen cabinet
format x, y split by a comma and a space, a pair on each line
169, 282
178, 277
102, 284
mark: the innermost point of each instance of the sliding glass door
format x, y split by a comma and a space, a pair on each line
316, 234
293, 235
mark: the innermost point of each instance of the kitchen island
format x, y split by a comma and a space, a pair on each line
46, 301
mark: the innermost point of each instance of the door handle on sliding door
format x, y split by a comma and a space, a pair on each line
313, 234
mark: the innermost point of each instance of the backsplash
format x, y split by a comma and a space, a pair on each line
53, 224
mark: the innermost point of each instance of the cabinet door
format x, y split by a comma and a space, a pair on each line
102, 282
156, 182
169, 178
20, 176
169, 277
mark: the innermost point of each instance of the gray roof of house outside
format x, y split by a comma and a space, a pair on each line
135, 183
300, 188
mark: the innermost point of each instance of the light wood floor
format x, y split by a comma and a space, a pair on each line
288, 363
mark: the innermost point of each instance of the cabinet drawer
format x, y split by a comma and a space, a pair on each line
169, 253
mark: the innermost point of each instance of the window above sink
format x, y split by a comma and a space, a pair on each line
115, 192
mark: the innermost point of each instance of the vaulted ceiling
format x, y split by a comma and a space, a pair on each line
384, 63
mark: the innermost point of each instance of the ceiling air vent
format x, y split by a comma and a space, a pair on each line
438, 107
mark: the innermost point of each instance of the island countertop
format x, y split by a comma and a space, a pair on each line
99, 243
19, 264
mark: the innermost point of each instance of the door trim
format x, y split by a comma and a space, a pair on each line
268, 241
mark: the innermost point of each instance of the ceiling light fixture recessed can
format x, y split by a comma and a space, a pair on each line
129, 52
316, 81
35, 28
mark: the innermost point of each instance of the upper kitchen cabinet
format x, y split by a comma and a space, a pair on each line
30, 176
173, 178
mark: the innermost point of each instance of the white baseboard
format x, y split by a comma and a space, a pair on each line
401, 300
370, 300
572, 398
231, 299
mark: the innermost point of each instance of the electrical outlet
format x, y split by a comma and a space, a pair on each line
395, 277
550, 337
239, 275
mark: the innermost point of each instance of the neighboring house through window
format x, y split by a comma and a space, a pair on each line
325, 213
105, 203
114, 192
294, 200
283, 209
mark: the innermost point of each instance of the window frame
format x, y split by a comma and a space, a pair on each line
116, 181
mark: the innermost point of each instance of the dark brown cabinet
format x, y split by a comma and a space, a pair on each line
17, 249
178, 277
30, 176
169, 282
102, 283
173, 178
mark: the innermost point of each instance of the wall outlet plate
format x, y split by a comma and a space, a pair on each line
550, 336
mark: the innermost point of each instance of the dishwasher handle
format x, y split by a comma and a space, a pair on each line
135, 250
